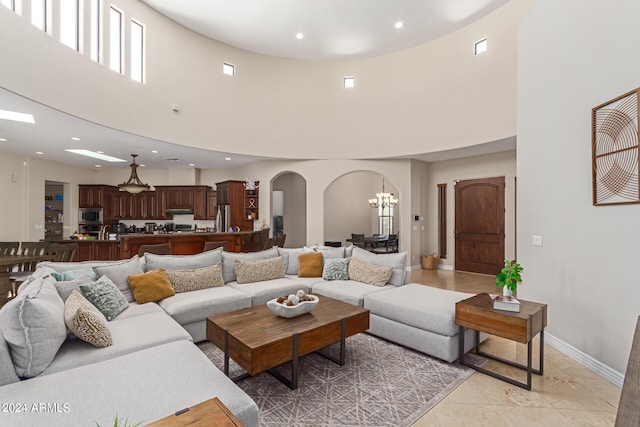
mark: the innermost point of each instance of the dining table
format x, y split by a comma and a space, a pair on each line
7, 263
372, 241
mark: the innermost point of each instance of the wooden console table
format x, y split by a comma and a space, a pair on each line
477, 313
210, 413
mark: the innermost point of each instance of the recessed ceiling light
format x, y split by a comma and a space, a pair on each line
100, 152
3, 139
143, 166
398, 25
154, 151
191, 164
349, 82
227, 158
98, 166
39, 152
480, 46
17, 117
95, 155
75, 138
228, 69
299, 36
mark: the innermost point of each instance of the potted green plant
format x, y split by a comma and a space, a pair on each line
509, 277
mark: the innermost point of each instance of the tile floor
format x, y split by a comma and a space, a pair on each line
568, 394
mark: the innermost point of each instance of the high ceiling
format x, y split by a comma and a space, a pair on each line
331, 29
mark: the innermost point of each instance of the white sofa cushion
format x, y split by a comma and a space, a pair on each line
347, 290
194, 306
291, 264
396, 261
261, 292
33, 325
7, 371
119, 274
183, 262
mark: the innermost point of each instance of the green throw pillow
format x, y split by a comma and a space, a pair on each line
106, 296
336, 269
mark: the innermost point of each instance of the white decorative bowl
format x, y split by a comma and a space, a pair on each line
292, 311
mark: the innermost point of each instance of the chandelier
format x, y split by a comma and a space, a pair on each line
133, 185
383, 200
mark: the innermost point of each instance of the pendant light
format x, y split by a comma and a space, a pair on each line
133, 185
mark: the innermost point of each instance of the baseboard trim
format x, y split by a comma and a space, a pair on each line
606, 372
445, 267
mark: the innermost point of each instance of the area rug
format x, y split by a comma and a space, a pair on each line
381, 384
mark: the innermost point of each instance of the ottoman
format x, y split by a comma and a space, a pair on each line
419, 317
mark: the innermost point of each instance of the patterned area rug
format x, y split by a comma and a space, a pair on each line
381, 384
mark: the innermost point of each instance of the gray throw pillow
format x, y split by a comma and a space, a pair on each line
106, 297
329, 252
33, 326
336, 269
229, 259
119, 274
291, 264
65, 288
396, 261
183, 262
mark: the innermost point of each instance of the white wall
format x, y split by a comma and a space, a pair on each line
428, 98
572, 56
447, 172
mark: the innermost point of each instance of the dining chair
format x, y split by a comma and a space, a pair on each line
358, 240
9, 248
390, 246
209, 246
62, 252
269, 243
279, 240
159, 249
26, 269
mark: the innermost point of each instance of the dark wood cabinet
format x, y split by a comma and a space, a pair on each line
243, 205
161, 202
188, 197
94, 196
143, 205
200, 202
212, 205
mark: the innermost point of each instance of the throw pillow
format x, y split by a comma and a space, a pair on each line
106, 296
183, 262
68, 275
292, 266
151, 286
119, 273
310, 265
192, 280
395, 261
86, 322
66, 287
372, 274
329, 252
33, 326
256, 271
336, 269
229, 259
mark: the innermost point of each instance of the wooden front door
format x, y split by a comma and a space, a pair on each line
479, 229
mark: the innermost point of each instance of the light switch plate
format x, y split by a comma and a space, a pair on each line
536, 240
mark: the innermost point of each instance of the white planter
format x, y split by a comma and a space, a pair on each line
507, 292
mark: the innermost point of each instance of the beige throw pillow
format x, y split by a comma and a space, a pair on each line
199, 278
256, 271
85, 321
372, 274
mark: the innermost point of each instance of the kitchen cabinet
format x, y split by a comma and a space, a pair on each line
186, 197
212, 205
243, 204
94, 196
143, 205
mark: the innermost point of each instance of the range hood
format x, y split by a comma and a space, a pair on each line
179, 211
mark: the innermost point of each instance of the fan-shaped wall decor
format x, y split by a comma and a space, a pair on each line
615, 151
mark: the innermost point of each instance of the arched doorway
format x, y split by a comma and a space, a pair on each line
289, 208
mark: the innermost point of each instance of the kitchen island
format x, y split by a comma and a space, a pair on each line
127, 245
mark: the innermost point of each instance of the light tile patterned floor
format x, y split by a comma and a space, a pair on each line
567, 395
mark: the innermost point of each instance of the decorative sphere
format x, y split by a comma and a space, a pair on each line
300, 294
293, 299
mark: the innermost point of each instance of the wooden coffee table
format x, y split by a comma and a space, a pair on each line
258, 340
210, 413
477, 313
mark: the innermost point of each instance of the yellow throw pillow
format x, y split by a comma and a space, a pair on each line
310, 265
151, 286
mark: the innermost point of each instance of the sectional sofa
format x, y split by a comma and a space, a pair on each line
151, 368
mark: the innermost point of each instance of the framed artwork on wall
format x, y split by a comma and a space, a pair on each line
614, 145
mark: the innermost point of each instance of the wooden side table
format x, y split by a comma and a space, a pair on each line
210, 413
477, 313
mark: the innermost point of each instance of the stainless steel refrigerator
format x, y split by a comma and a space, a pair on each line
223, 218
